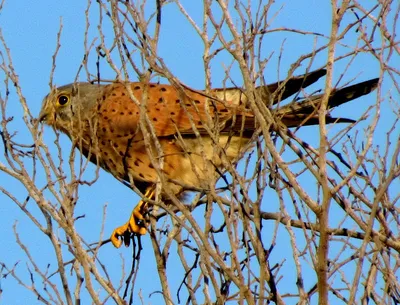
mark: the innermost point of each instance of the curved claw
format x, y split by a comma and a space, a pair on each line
117, 234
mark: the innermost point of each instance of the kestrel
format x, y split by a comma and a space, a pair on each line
103, 122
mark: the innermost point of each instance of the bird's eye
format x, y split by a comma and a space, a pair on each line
63, 100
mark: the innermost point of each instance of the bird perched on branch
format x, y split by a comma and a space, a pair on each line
116, 125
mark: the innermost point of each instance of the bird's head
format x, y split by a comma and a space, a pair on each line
66, 107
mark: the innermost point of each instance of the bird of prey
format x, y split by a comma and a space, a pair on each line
104, 123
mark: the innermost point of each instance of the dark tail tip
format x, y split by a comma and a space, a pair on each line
349, 93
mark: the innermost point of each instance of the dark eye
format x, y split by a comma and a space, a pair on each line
63, 100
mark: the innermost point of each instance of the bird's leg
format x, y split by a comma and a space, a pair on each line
135, 224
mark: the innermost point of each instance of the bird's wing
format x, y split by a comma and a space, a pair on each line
173, 110
169, 109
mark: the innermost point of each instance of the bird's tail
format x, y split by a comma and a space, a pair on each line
299, 112
305, 111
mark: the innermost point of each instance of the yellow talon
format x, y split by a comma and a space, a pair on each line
118, 232
135, 224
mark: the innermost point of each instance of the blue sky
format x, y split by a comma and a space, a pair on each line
30, 29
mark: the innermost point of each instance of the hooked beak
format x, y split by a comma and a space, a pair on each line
42, 118
44, 115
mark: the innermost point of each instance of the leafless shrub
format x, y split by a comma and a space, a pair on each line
308, 214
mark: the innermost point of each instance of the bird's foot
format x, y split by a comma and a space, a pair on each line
135, 225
